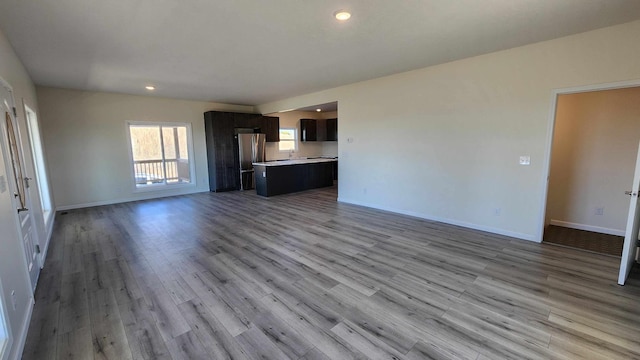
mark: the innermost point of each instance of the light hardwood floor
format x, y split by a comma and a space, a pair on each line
300, 276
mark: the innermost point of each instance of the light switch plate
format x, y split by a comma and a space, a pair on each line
525, 160
3, 184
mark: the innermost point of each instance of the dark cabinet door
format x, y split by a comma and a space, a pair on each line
308, 130
270, 125
332, 129
247, 121
223, 172
321, 130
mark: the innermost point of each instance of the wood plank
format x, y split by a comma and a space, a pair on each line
187, 346
124, 285
42, 338
75, 344
368, 344
142, 333
280, 334
166, 314
109, 338
215, 338
258, 346
74, 307
206, 287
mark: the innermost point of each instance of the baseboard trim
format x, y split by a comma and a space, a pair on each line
498, 231
19, 344
124, 200
591, 228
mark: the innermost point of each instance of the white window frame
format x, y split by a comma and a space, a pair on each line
161, 186
295, 139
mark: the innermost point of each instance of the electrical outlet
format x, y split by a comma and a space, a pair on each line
497, 211
525, 160
599, 211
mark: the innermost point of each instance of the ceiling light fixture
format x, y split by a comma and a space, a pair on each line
342, 15
149, 87
318, 110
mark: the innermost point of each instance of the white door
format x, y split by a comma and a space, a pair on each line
18, 182
631, 232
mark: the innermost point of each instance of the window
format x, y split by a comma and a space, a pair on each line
160, 154
288, 139
38, 161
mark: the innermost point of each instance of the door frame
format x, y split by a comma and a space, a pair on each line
28, 199
550, 133
44, 222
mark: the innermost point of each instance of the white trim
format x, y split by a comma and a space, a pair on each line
586, 227
162, 187
25, 331
549, 144
124, 200
48, 234
5, 344
518, 235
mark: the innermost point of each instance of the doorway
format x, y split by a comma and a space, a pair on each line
591, 162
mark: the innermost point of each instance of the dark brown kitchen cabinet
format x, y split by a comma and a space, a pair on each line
321, 130
270, 126
308, 130
318, 129
332, 129
219, 128
222, 147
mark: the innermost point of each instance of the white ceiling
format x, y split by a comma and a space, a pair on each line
252, 52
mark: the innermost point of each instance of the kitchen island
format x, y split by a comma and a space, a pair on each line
287, 176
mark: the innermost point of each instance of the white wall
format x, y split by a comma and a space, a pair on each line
594, 153
85, 137
13, 267
443, 142
291, 119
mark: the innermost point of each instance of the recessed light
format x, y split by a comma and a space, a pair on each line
342, 15
318, 110
149, 87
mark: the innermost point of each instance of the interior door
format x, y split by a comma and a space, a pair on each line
19, 183
633, 221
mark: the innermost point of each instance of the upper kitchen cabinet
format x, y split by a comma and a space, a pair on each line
270, 126
308, 130
246, 121
318, 129
332, 129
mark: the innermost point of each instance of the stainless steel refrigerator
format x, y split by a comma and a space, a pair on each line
251, 150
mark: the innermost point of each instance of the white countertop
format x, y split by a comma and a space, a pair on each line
294, 162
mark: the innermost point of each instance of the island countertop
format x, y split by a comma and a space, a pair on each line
294, 162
